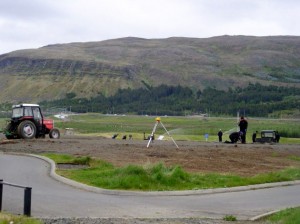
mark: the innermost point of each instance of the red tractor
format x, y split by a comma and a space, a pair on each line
27, 122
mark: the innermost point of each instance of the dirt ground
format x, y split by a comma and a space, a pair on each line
242, 159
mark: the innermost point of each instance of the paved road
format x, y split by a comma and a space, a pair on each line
51, 198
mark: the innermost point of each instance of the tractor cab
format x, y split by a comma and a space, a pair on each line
27, 111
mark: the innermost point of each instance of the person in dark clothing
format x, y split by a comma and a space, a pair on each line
254, 136
277, 136
235, 136
243, 124
220, 134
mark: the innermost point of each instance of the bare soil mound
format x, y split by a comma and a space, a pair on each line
242, 159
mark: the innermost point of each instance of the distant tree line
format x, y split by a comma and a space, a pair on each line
254, 100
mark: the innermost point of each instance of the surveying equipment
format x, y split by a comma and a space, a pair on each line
158, 121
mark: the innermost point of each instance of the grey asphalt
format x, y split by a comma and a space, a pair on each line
53, 196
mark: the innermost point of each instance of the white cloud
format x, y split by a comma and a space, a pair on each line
34, 23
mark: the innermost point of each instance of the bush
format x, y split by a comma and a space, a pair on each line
230, 218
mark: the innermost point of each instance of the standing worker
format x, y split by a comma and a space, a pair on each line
243, 124
254, 136
220, 134
277, 136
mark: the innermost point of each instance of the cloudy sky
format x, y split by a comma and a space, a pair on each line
34, 23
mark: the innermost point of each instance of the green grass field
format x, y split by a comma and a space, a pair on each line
180, 128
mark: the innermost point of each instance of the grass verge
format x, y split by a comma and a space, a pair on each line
158, 177
287, 216
8, 219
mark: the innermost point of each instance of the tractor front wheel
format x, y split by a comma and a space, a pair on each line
27, 130
54, 133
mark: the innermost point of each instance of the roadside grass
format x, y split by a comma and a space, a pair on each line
65, 158
287, 216
6, 218
230, 218
158, 177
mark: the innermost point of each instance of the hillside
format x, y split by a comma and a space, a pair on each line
88, 69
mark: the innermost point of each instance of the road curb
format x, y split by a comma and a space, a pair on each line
85, 187
52, 174
263, 215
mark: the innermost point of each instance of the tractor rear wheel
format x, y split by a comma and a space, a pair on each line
27, 130
54, 133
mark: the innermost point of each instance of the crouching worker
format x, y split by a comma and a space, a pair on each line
235, 137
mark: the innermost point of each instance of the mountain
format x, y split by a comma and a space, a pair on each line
88, 69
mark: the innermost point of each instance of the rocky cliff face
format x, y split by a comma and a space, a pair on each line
34, 79
88, 69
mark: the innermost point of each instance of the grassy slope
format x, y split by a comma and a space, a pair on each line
90, 68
